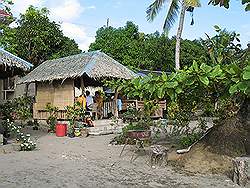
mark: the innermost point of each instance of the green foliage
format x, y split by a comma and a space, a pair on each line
172, 13
131, 115
139, 125
74, 112
201, 85
19, 108
37, 39
52, 118
224, 47
144, 51
188, 140
225, 3
6, 110
23, 107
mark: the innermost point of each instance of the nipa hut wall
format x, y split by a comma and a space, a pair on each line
59, 95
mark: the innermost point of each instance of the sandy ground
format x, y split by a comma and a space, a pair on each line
92, 162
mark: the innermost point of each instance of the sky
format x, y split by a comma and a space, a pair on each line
80, 19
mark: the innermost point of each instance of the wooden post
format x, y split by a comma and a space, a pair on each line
82, 85
115, 102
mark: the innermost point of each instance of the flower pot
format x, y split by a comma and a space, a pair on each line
139, 134
77, 132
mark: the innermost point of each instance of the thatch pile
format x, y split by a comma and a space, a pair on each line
8, 60
96, 65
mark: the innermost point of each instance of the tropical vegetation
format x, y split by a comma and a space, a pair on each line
176, 7
221, 87
144, 51
36, 38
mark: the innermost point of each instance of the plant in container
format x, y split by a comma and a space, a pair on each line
52, 118
74, 113
139, 128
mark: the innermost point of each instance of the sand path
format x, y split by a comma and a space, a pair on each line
91, 162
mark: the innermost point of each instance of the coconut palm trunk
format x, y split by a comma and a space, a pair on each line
172, 14
178, 36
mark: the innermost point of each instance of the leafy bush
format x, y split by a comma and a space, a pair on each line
52, 119
18, 108
188, 140
74, 112
23, 107
130, 115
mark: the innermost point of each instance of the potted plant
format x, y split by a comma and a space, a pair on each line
74, 113
139, 124
52, 118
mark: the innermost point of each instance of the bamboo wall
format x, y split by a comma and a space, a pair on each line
59, 95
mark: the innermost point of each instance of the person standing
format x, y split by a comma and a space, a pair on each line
89, 101
99, 104
82, 100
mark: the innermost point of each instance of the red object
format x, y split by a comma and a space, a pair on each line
139, 134
3, 13
61, 129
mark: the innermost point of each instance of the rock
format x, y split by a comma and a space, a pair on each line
241, 174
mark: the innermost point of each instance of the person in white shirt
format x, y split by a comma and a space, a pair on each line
89, 101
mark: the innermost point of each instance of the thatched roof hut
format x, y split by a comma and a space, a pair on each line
12, 65
95, 65
57, 79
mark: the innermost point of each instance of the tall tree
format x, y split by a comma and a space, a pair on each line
144, 51
172, 14
37, 39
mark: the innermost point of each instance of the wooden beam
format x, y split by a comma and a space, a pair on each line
115, 101
82, 85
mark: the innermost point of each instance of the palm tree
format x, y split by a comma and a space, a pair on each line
172, 14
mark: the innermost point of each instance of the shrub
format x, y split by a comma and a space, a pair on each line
188, 140
51, 121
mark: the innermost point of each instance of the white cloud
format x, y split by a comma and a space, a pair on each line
78, 33
91, 7
66, 12
20, 6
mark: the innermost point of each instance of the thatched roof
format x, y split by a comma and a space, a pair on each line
10, 62
95, 65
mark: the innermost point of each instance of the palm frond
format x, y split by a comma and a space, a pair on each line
154, 9
172, 14
192, 3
